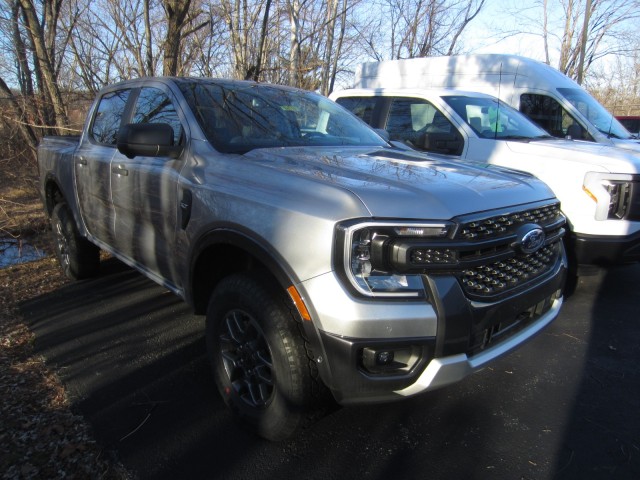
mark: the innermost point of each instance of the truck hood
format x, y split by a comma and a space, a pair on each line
397, 184
627, 144
609, 158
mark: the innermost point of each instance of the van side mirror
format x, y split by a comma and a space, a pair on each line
147, 140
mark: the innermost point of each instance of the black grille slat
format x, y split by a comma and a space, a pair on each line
501, 276
500, 225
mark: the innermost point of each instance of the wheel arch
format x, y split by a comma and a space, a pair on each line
228, 250
53, 193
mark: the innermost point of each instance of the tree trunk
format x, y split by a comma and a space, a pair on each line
295, 79
176, 12
44, 64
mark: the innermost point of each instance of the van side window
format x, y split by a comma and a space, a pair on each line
421, 125
361, 107
154, 106
106, 122
551, 116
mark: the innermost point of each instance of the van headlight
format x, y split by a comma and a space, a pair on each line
612, 193
386, 259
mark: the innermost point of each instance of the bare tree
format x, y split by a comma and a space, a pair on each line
181, 22
41, 32
248, 25
420, 28
37, 103
592, 29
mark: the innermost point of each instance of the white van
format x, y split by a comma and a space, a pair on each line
549, 98
598, 186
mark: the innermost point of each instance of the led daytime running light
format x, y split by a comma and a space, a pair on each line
438, 231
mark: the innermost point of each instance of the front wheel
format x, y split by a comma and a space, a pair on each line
78, 257
258, 356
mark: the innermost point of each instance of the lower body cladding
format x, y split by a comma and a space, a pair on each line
468, 335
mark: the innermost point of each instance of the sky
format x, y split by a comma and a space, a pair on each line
483, 33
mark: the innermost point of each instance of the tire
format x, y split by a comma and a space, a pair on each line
259, 359
78, 257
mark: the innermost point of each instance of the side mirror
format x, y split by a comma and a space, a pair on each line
147, 140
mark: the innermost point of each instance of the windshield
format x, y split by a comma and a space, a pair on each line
597, 115
237, 117
492, 119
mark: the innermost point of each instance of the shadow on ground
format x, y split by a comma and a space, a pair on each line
563, 406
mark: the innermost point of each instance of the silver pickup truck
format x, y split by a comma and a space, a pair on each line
330, 265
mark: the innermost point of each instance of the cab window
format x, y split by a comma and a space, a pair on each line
552, 117
419, 124
361, 107
154, 106
108, 117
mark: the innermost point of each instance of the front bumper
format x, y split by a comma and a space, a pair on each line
470, 334
604, 250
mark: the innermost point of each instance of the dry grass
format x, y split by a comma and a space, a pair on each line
40, 436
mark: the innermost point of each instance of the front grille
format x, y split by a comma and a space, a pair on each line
498, 277
499, 225
430, 256
493, 261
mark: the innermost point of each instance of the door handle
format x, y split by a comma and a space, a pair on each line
82, 161
120, 170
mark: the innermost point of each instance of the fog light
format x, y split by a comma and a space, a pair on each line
390, 361
384, 357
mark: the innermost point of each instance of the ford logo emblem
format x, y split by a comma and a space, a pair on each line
532, 240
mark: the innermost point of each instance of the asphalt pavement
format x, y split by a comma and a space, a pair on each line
564, 406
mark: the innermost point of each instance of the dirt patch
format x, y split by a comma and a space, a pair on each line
40, 435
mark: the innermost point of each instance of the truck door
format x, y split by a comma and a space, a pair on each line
145, 192
93, 165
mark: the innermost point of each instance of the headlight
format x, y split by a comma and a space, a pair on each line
611, 192
381, 259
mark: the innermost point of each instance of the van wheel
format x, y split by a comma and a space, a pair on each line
259, 359
78, 257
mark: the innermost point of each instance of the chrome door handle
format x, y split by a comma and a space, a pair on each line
120, 170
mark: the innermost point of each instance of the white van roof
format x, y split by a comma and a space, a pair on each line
470, 70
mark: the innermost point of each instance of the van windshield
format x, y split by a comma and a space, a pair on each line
597, 115
237, 117
495, 120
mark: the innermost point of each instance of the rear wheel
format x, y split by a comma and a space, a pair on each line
78, 257
259, 359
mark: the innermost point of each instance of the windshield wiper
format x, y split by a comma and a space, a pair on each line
514, 137
545, 137
611, 134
